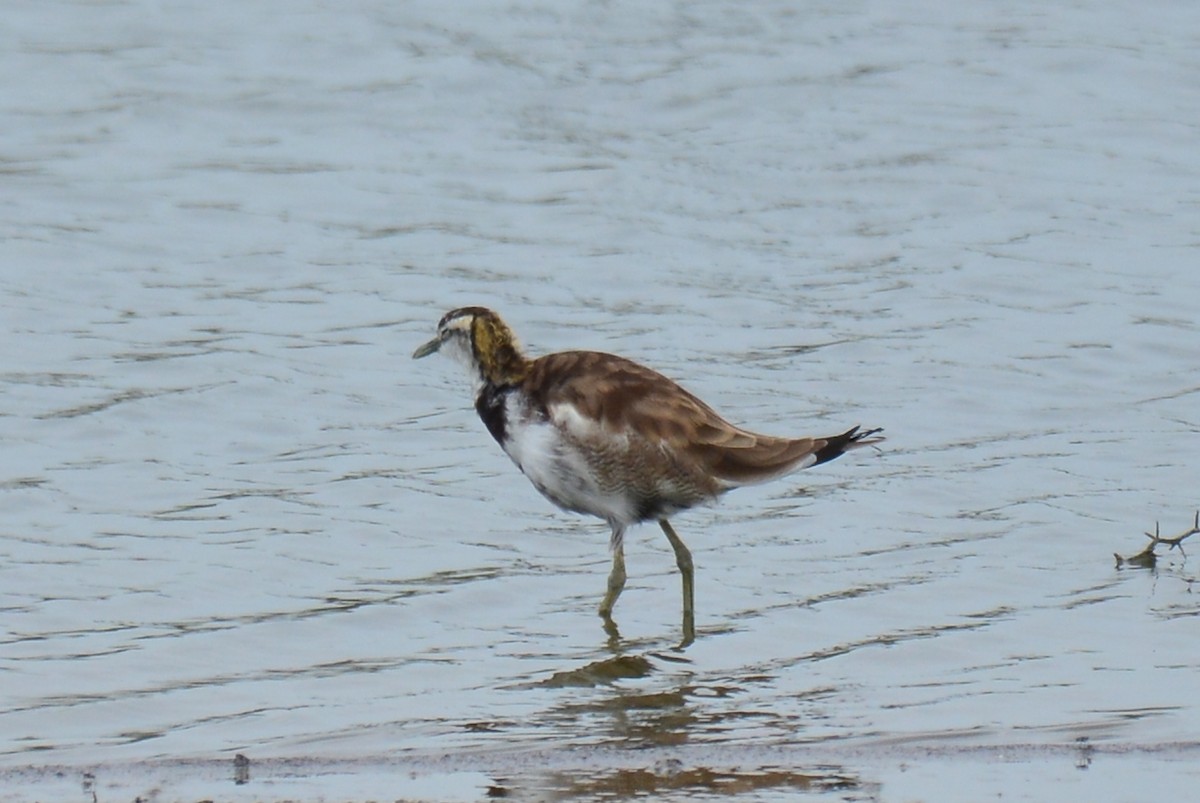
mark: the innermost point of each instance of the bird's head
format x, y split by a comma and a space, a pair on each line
481, 340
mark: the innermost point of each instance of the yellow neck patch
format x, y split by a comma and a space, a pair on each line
497, 351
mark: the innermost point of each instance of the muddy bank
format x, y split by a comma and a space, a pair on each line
884, 770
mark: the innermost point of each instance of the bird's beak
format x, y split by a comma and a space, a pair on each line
429, 348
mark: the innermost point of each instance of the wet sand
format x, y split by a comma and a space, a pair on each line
882, 771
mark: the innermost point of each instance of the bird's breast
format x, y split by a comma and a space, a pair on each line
552, 460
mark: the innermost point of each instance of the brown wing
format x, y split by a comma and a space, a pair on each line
629, 399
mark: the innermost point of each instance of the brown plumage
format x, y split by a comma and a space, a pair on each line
603, 435
675, 432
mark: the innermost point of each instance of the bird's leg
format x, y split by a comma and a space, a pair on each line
616, 578
683, 559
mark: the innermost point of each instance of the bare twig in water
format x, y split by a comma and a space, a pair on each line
1147, 557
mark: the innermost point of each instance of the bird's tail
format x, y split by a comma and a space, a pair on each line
853, 438
766, 457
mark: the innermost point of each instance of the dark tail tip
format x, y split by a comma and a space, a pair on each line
852, 438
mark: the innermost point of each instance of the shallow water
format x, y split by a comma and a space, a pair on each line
237, 518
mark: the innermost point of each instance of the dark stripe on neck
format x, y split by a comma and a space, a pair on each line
491, 408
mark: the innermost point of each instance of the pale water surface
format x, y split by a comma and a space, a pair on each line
236, 518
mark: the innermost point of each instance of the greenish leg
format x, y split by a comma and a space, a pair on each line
683, 559
616, 582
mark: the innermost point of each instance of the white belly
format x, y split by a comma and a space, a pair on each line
559, 470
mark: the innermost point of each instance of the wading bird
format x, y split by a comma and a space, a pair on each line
599, 434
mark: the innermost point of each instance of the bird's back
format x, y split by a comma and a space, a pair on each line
636, 415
